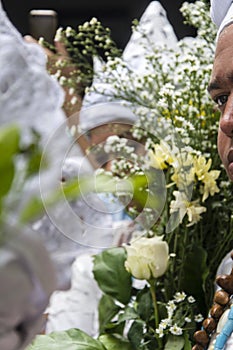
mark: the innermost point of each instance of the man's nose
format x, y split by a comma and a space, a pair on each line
226, 121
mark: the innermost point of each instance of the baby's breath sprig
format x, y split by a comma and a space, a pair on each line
197, 15
75, 68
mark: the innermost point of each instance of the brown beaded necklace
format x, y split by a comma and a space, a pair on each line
220, 304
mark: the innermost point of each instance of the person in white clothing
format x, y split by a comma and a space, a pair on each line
221, 91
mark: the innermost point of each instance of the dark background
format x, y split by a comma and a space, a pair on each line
117, 15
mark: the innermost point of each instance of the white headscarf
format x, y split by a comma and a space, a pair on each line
221, 13
98, 108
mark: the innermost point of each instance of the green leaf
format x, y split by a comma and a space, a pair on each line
187, 344
107, 310
7, 172
145, 305
72, 189
112, 342
135, 333
111, 275
9, 146
73, 339
174, 342
34, 162
194, 275
129, 314
9, 142
33, 208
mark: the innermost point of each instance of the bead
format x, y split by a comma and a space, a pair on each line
228, 328
221, 301
230, 316
209, 324
226, 282
220, 341
221, 297
225, 333
201, 337
222, 321
216, 311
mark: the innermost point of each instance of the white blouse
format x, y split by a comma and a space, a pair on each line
219, 10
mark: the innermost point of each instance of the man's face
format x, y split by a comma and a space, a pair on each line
221, 91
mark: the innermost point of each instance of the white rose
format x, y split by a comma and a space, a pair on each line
147, 257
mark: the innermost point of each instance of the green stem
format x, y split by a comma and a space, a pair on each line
152, 284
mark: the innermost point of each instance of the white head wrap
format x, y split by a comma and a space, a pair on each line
97, 108
221, 13
155, 24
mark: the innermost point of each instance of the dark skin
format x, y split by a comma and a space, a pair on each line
221, 91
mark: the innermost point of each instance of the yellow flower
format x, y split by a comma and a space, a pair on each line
184, 207
162, 156
201, 167
183, 178
194, 212
208, 178
210, 185
147, 258
180, 204
183, 170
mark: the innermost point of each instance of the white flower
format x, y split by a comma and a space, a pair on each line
93, 21
180, 204
62, 80
74, 100
176, 330
147, 257
194, 212
58, 35
183, 206
199, 318
73, 130
161, 156
171, 307
191, 299
41, 41
180, 296
71, 91
160, 332
69, 31
165, 323
57, 74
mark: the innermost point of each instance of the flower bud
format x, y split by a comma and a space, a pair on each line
147, 257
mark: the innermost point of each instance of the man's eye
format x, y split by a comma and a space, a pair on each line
221, 100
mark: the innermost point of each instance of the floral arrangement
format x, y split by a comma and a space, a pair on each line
158, 288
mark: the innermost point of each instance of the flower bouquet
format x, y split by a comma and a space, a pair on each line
158, 287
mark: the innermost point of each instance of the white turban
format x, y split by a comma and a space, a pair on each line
99, 108
221, 13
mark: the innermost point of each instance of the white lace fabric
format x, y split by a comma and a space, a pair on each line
28, 94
